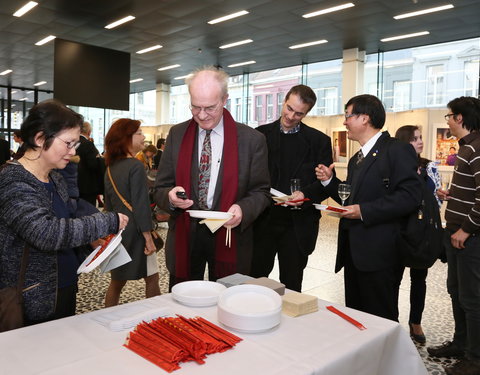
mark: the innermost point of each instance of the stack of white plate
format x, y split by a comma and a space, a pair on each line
249, 308
197, 293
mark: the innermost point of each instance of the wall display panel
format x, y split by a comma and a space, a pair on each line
90, 76
445, 146
340, 146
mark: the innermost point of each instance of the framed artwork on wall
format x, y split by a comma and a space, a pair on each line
340, 146
444, 145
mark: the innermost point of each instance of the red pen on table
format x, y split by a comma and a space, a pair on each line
359, 325
294, 201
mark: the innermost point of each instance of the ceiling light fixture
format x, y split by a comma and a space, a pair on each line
242, 63
228, 17
136, 80
45, 40
169, 67
246, 41
404, 36
5, 72
149, 49
425, 11
329, 10
27, 7
39, 83
183, 77
309, 44
119, 22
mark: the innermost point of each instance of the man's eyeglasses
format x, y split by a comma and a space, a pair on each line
448, 115
208, 110
71, 144
350, 115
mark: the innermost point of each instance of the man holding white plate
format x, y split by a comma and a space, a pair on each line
211, 163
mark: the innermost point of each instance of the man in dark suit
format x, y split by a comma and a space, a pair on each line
220, 165
158, 155
4, 150
376, 208
89, 166
294, 150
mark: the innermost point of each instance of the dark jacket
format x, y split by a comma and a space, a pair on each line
27, 217
316, 148
89, 168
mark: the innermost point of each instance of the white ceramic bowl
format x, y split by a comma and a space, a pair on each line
197, 293
249, 308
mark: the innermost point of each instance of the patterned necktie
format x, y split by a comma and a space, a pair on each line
360, 157
204, 171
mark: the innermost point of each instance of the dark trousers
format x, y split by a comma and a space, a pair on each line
418, 291
463, 284
373, 292
201, 256
90, 198
277, 236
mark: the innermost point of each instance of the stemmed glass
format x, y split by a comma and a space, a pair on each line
446, 180
295, 186
344, 192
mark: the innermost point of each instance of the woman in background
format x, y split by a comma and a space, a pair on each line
35, 212
418, 286
122, 142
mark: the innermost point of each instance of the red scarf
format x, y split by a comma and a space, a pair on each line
225, 257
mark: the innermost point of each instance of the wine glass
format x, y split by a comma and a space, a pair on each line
344, 192
445, 179
294, 186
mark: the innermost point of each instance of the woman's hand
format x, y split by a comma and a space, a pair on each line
149, 244
122, 221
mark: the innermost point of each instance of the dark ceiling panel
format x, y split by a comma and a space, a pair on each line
181, 28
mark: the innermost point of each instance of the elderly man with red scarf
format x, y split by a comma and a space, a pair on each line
221, 165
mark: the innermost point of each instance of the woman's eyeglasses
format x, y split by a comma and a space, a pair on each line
71, 144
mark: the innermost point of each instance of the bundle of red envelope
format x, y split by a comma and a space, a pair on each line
168, 341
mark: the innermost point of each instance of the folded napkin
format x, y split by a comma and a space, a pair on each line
214, 224
296, 304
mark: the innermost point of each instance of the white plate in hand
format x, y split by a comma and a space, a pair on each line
203, 214
86, 267
197, 293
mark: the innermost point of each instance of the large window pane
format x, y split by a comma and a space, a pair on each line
325, 78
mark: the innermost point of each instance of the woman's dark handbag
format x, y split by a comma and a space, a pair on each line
11, 300
157, 240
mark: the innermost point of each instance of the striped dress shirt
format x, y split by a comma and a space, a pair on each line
463, 208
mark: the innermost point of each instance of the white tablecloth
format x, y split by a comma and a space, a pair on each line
318, 343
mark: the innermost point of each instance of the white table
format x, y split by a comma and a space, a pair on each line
318, 343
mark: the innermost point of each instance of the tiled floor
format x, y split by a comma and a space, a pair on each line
319, 280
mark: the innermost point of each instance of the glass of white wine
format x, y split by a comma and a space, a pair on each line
344, 192
295, 186
446, 180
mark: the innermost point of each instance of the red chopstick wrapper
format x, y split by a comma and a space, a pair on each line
359, 325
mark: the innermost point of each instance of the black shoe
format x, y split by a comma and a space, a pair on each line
418, 338
464, 367
447, 349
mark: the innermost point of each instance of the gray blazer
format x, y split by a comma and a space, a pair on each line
253, 188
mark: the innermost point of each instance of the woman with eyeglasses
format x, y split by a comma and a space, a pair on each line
418, 286
35, 214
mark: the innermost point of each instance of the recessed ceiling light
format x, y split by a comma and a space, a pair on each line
119, 22
228, 17
14, 92
39, 83
425, 11
169, 67
45, 40
246, 41
183, 77
23, 98
404, 36
329, 10
136, 80
309, 44
149, 49
5, 72
27, 7
242, 63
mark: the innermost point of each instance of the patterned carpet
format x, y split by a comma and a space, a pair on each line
437, 321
